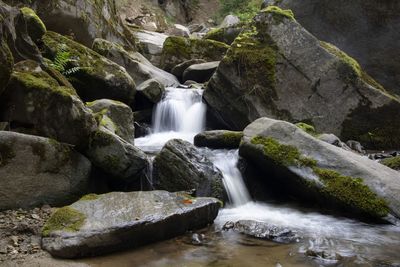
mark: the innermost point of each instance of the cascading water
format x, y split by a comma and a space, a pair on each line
180, 114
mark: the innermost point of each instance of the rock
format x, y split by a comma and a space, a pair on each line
357, 28
356, 146
241, 91
333, 140
323, 255
135, 64
36, 171
84, 20
200, 72
143, 115
393, 163
197, 239
229, 21
196, 28
225, 35
218, 139
151, 44
150, 90
179, 69
7, 64
116, 117
180, 166
320, 173
92, 75
35, 26
179, 30
116, 221
34, 100
228, 225
179, 49
115, 156
266, 231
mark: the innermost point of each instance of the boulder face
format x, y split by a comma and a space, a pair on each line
35, 26
92, 75
225, 35
179, 49
36, 102
99, 224
138, 67
151, 45
218, 139
180, 166
115, 116
357, 27
84, 20
36, 171
200, 73
319, 172
276, 68
115, 156
7, 64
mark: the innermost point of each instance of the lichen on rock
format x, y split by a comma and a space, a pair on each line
64, 219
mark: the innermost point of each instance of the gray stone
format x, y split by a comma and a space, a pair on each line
179, 69
115, 156
151, 90
33, 99
135, 64
96, 77
36, 170
218, 139
181, 166
229, 20
357, 27
200, 73
179, 30
151, 44
321, 173
286, 73
333, 140
116, 221
116, 117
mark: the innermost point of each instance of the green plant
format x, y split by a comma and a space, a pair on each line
62, 62
244, 9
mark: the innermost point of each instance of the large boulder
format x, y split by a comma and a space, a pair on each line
36, 101
35, 26
276, 68
200, 73
179, 49
218, 139
92, 75
115, 116
98, 224
115, 156
7, 64
36, 170
135, 64
181, 166
225, 35
357, 27
302, 166
151, 45
150, 91
84, 20
179, 69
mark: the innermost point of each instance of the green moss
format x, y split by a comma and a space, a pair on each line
393, 163
279, 14
231, 137
352, 192
215, 34
31, 15
307, 128
101, 139
89, 197
281, 154
6, 154
352, 64
64, 219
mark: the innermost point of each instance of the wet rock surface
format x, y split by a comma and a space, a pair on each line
115, 221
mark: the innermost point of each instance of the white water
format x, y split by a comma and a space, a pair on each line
181, 114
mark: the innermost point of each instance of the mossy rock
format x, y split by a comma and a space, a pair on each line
393, 163
224, 35
307, 128
6, 66
36, 28
219, 139
179, 49
64, 219
94, 76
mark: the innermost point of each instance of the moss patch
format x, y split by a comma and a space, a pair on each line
35, 25
281, 154
307, 128
111, 161
89, 197
232, 138
352, 192
393, 163
64, 219
279, 14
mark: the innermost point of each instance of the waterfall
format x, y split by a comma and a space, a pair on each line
227, 162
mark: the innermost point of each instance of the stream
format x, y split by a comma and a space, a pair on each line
334, 241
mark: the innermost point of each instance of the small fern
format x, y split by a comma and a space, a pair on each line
61, 62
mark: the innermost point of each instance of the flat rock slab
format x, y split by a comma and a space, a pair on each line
116, 221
